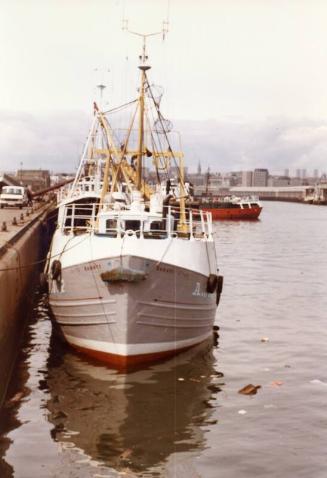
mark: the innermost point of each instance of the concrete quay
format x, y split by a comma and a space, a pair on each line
21, 244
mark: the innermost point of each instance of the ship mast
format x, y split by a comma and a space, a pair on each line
143, 67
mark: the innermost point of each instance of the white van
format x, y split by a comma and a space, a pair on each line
13, 196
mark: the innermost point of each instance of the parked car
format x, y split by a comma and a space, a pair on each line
14, 196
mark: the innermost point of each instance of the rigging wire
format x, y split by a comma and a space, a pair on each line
158, 149
120, 107
160, 117
45, 259
154, 149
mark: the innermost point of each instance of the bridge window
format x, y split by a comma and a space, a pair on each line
111, 224
132, 225
111, 227
156, 226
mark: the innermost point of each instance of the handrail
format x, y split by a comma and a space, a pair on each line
86, 217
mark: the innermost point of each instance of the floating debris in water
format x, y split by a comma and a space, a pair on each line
277, 383
249, 389
265, 339
318, 382
242, 412
181, 379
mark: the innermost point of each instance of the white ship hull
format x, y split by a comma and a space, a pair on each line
158, 306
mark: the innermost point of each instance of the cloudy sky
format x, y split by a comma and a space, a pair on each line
245, 80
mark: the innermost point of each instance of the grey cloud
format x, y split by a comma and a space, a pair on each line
42, 141
55, 141
275, 143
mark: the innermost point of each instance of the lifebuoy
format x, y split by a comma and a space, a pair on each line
56, 270
212, 283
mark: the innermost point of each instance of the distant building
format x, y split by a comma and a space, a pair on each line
296, 181
288, 193
278, 181
298, 173
304, 173
260, 177
310, 181
175, 171
287, 172
316, 173
235, 178
247, 178
37, 179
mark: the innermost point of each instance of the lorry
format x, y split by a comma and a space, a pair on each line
14, 196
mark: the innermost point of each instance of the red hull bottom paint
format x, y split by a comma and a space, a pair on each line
249, 214
122, 362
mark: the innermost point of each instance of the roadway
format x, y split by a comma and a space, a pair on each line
23, 216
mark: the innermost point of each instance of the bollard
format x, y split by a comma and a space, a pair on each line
4, 227
27, 213
22, 217
14, 221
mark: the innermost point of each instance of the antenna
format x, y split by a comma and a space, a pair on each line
144, 57
101, 86
143, 67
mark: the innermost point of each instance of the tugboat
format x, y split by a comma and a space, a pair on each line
232, 208
132, 272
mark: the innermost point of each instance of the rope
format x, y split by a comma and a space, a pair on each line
42, 260
120, 107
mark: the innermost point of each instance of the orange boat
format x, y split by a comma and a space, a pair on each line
232, 208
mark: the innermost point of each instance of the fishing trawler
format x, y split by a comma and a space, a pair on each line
132, 272
232, 208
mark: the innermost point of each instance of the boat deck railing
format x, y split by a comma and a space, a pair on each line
195, 224
84, 187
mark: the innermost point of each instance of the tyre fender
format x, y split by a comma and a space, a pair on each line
212, 283
220, 282
56, 270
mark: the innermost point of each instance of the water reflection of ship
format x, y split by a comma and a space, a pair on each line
134, 420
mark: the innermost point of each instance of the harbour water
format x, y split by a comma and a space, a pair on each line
68, 417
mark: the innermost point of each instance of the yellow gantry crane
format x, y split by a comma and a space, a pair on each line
117, 168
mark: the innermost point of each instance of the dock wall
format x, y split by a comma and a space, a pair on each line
18, 267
